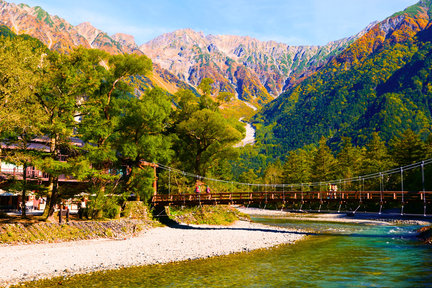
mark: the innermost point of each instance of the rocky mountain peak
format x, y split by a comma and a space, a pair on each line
125, 39
270, 65
88, 31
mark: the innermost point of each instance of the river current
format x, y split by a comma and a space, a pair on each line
333, 255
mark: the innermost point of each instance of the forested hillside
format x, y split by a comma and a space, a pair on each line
89, 123
381, 83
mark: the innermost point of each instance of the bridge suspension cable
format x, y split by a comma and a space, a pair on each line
360, 179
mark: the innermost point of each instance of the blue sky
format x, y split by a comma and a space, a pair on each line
295, 22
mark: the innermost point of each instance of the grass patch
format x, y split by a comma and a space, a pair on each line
17, 230
211, 215
238, 109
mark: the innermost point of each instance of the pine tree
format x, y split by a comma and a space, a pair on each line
377, 158
350, 160
324, 164
408, 148
297, 167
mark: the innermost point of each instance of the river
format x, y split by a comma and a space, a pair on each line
249, 137
333, 255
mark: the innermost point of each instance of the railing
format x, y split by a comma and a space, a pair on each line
32, 174
243, 197
19, 173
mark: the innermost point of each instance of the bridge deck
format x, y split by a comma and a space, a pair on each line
289, 196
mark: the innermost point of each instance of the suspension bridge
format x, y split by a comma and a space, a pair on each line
318, 196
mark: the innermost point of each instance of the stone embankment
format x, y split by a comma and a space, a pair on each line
42, 232
157, 245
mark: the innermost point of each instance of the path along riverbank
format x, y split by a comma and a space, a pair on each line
153, 246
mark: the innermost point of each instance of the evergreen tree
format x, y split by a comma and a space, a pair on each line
274, 173
377, 158
408, 148
297, 167
324, 164
350, 160
249, 177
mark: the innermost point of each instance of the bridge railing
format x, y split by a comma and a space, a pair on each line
32, 175
279, 196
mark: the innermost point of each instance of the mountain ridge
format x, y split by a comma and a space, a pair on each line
360, 91
278, 66
255, 71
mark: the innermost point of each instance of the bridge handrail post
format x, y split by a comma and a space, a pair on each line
381, 191
301, 189
283, 192
424, 190
360, 188
402, 190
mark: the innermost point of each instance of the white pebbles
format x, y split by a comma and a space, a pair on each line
158, 245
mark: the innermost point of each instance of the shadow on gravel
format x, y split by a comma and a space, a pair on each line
188, 227
164, 219
175, 225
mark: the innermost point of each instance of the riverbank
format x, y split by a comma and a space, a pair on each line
155, 246
359, 218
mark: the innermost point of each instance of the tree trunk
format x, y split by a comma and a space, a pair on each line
52, 196
98, 212
53, 184
24, 191
45, 214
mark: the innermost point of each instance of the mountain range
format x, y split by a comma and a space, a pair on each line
255, 71
380, 83
377, 80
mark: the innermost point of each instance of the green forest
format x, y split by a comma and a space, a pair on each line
368, 110
381, 83
86, 97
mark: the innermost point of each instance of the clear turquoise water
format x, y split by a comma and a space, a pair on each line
334, 255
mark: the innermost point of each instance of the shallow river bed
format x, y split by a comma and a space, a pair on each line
333, 255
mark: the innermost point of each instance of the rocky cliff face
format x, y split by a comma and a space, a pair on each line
254, 70
59, 35
100, 40
127, 41
54, 31
239, 64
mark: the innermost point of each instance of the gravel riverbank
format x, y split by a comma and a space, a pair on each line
158, 245
360, 218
